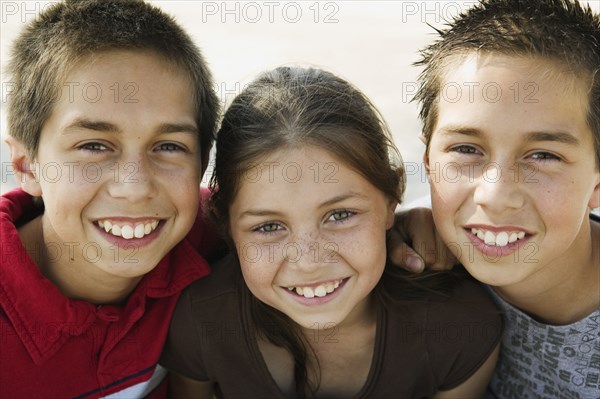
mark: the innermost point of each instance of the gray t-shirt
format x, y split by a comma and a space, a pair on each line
544, 361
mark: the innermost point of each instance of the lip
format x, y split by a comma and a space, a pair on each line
497, 229
316, 301
494, 252
133, 243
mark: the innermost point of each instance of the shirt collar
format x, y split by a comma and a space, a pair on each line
42, 316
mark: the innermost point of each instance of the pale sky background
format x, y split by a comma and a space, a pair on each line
370, 43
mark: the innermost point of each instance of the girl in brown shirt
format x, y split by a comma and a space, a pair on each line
308, 180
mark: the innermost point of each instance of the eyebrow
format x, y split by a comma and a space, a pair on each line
560, 137
101, 126
329, 202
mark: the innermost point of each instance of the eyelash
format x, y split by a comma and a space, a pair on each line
547, 156
348, 215
261, 229
461, 149
172, 147
93, 147
465, 149
97, 148
345, 212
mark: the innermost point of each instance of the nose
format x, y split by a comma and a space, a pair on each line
307, 252
133, 180
498, 188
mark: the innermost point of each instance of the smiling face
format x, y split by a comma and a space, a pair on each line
310, 236
512, 171
118, 165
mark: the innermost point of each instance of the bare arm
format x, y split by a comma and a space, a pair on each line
475, 386
181, 387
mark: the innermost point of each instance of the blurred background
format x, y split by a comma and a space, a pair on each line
370, 43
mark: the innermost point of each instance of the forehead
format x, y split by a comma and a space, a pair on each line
298, 173
495, 91
126, 89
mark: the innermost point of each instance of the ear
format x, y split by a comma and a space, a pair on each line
391, 216
425, 154
595, 198
23, 167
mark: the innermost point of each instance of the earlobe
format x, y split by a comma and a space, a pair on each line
391, 216
595, 198
426, 162
22, 167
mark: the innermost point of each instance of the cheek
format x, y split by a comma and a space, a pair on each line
259, 278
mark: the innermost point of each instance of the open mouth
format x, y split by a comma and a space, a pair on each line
498, 239
128, 231
319, 290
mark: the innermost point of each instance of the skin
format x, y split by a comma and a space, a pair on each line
524, 162
130, 160
334, 228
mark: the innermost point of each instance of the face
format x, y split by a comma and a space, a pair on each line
512, 170
311, 236
118, 165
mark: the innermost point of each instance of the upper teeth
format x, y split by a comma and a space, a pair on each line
320, 290
127, 231
500, 239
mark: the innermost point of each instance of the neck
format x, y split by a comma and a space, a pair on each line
74, 276
567, 289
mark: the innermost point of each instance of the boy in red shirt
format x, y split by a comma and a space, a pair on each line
110, 130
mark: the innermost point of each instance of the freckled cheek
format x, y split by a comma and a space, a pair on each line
259, 278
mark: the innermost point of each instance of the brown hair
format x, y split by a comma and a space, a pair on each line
71, 30
561, 30
289, 107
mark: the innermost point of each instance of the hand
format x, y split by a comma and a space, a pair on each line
414, 243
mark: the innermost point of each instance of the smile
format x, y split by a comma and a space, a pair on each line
319, 290
128, 231
498, 239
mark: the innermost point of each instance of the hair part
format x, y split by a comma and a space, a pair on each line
68, 32
563, 31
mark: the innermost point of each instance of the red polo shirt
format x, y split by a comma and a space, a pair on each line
52, 346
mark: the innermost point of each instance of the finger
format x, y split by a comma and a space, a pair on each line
404, 256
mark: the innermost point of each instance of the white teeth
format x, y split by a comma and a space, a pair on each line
139, 231
500, 239
489, 238
319, 291
116, 231
128, 231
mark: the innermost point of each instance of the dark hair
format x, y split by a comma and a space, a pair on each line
290, 107
561, 30
66, 32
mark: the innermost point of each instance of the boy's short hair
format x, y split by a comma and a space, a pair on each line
69, 31
562, 30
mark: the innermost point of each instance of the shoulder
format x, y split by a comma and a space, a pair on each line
468, 326
468, 311
222, 281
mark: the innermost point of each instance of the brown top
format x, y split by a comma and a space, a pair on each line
421, 347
